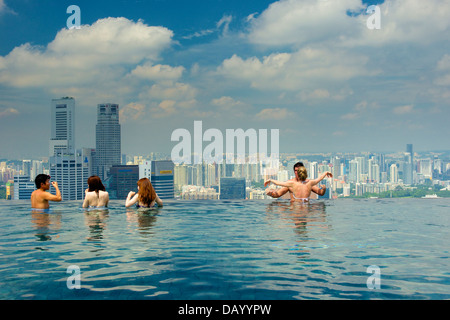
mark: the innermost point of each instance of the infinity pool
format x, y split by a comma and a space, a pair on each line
223, 249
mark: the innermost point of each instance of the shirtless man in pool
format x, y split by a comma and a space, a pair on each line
282, 191
40, 197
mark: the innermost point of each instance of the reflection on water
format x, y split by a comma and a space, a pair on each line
142, 219
45, 223
95, 220
300, 213
306, 219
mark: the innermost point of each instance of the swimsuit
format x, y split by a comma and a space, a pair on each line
303, 199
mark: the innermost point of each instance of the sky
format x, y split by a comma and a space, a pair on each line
312, 69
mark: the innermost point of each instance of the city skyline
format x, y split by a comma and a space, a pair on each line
311, 69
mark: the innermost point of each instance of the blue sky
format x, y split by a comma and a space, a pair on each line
310, 68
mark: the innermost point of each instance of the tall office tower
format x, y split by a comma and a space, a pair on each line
71, 171
382, 162
62, 138
69, 167
393, 173
26, 168
162, 178
409, 165
353, 173
107, 139
232, 188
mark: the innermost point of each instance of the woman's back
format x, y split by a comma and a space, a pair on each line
93, 199
301, 190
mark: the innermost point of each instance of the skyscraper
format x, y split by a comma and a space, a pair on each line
162, 178
108, 143
409, 164
69, 167
62, 138
71, 171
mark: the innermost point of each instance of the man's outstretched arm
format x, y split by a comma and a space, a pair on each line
320, 191
277, 193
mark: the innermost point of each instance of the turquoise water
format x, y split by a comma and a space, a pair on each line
265, 249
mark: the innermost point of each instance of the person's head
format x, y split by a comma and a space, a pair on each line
146, 192
301, 173
298, 164
42, 180
95, 184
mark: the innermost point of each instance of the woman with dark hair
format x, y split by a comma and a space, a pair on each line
95, 195
146, 196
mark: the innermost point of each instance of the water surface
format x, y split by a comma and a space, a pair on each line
209, 249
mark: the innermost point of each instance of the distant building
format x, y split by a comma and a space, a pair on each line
232, 188
163, 178
9, 190
122, 180
71, 171
62, 138
23, 187
108, 139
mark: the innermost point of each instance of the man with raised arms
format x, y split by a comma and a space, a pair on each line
40, 197
282, 191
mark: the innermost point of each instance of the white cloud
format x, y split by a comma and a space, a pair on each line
294, 22
225, 22
8, 112
294, 71
92, 54
274, 114
401, 110
133, 111
227, 102
157, 72
300, 22
167, 91
5, 9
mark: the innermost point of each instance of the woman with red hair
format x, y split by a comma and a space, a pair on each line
146, 196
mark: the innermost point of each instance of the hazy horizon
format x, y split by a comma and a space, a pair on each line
312, 69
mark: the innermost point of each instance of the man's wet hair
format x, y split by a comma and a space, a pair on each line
41, 178
298, 164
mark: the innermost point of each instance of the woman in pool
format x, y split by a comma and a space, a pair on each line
95, 195
146, 196
301, 189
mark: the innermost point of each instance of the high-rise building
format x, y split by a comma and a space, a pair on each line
108, 143
394, 173
23, 187
122, 179
71, 171
232, 188
62, 138
69, 167
163, 178
409, 165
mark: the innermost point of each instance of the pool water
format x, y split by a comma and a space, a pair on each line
228, 250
